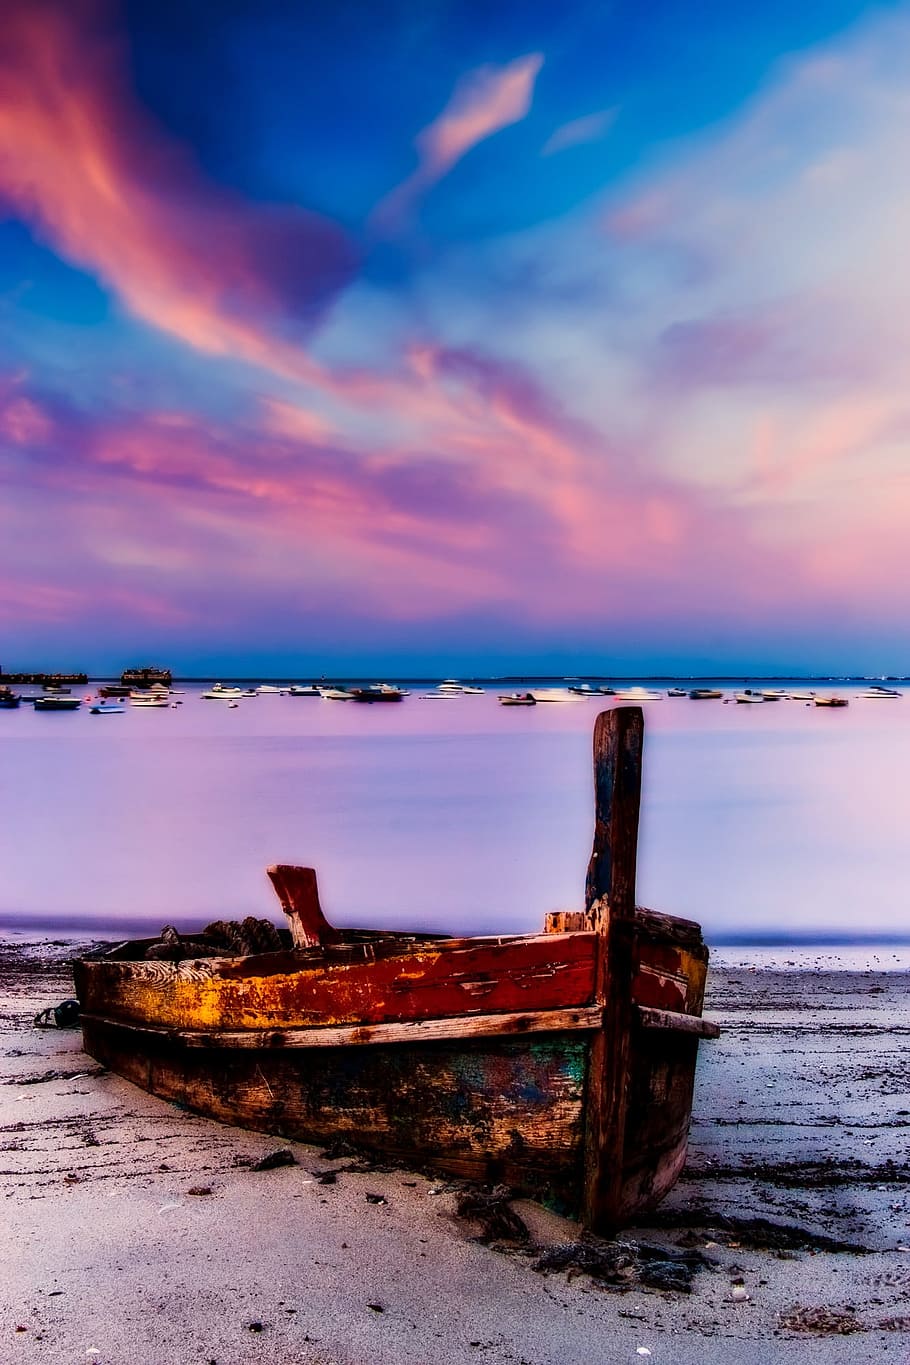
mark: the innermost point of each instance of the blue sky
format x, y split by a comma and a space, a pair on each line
454, 335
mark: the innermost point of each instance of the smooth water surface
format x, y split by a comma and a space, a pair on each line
458, 815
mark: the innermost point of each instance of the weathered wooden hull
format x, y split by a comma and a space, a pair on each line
471, 1057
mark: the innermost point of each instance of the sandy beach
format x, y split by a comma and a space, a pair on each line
134, 1231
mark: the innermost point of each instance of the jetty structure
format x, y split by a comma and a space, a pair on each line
561, 1063
49, 680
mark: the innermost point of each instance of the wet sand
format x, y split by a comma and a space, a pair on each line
136, 1232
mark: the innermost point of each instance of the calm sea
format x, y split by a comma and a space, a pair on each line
760, 821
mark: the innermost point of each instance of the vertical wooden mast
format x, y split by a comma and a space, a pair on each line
610, 905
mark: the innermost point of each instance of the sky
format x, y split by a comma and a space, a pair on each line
454, 336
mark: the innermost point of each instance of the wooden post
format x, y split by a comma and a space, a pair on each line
299, 895
610, 902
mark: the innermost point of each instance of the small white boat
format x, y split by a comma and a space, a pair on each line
773, 694
473, 691
638, 694
517, 699
676, 692
544, 694
107, 708
304, 690
831, 701
801, 696
336, 694
219, 693
748, 698
876, 693
266, 689
149, 700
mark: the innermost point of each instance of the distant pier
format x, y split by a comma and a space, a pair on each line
45, 679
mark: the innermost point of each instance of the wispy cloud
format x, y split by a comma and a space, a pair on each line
589, 128
484, 102
106, 188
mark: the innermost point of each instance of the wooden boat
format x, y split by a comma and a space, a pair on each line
561, 1063
705, 694
831, 701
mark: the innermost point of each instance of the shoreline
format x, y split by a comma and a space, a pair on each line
108, 1248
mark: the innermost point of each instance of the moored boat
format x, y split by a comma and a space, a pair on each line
552, 694
638, 694
876, 693
304, 690
107, 708
9, 699
218, 692
561, 1063
831, 701
377, 694
148, 676
517, 699
747, 698
148, 701
55, 702
676, 691
705, 694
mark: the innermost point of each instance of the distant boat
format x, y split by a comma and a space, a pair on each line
266, 689
146, 677
9, 699
336, 694
585, 690
748, 698
547, 694
831, 701
876, 693
450, 685
106, 708
301, 690
369, 695
676, 691
518, 699
801, 696
773, 694
705, 694
114, 690
473, 691
220, 693
57, 703
638, 694
149, 700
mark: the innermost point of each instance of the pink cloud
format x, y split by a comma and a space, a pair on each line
83, 163
484, 102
